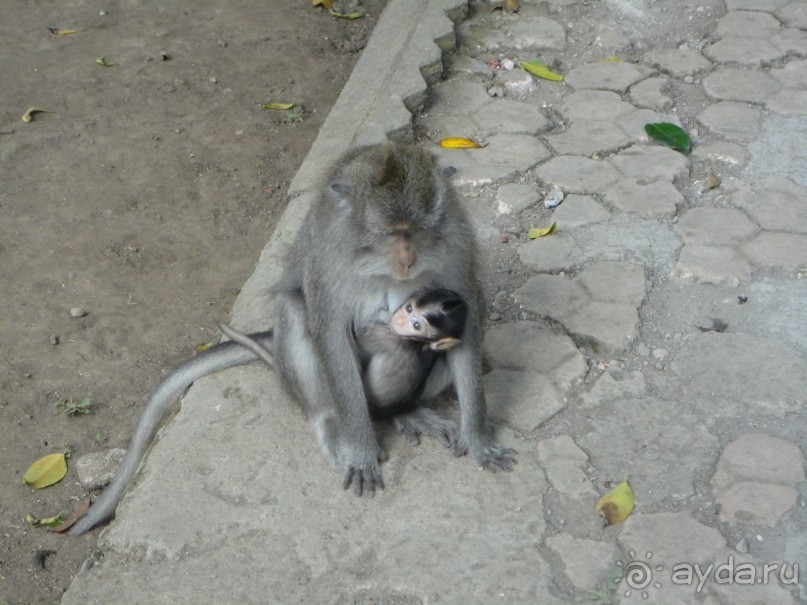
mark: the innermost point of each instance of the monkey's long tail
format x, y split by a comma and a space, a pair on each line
219, 357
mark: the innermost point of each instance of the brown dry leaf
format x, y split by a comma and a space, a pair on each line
68, 523
326, 4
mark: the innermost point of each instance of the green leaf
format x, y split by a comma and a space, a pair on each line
536, 68
356, 15
670, 135
278, 105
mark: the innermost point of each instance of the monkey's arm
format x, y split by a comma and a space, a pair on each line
358, 452
219, 357
465, 365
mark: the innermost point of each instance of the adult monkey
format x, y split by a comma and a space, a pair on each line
387, 224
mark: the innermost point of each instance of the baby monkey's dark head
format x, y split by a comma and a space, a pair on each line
435, 317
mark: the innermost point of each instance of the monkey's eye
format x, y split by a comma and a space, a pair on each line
416, 324
409, 307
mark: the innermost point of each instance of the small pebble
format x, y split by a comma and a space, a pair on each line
660, 353
77, 312
742, 546
553, 198
689, 79
102, 13
54, 340
508, 64
643, 350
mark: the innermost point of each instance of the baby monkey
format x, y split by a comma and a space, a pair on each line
398, 357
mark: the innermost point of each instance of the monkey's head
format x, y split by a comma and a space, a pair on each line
392, 201
435, 317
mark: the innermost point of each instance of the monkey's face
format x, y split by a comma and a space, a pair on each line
411, 323
392, 203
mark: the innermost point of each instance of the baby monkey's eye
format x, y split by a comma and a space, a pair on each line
416, 324
408, 307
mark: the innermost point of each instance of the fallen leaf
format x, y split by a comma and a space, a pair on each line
44, 521
460, 143
68, 523
323, 3
356, 15
46, 471
63, 32
511, 6
28, 116
614, 59
712, 181
536, 68
104, 63
541, 232
670, 135
616, 505
203, 346
742, 299
278, 105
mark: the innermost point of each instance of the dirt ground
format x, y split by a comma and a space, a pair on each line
143, 196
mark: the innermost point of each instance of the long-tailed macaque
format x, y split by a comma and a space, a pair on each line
386, 225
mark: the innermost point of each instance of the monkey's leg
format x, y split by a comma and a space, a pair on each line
300, 365
424, 421
464, 362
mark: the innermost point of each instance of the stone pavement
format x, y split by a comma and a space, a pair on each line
659, 334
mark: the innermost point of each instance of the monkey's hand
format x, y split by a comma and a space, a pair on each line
366, 477
489, 454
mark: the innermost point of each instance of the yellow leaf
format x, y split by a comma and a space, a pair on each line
46, 471
45, 521
614, 59
356, 15
28, 116
460, 143
63, 32
536, 232
104, 63
278, 105
323, 3
541, 70
616, 505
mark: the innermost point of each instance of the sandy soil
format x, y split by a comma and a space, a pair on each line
144, 197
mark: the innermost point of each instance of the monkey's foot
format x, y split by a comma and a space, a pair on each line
489, 454
365, 478
424, 421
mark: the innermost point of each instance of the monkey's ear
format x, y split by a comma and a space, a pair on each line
444, 344
339, 192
